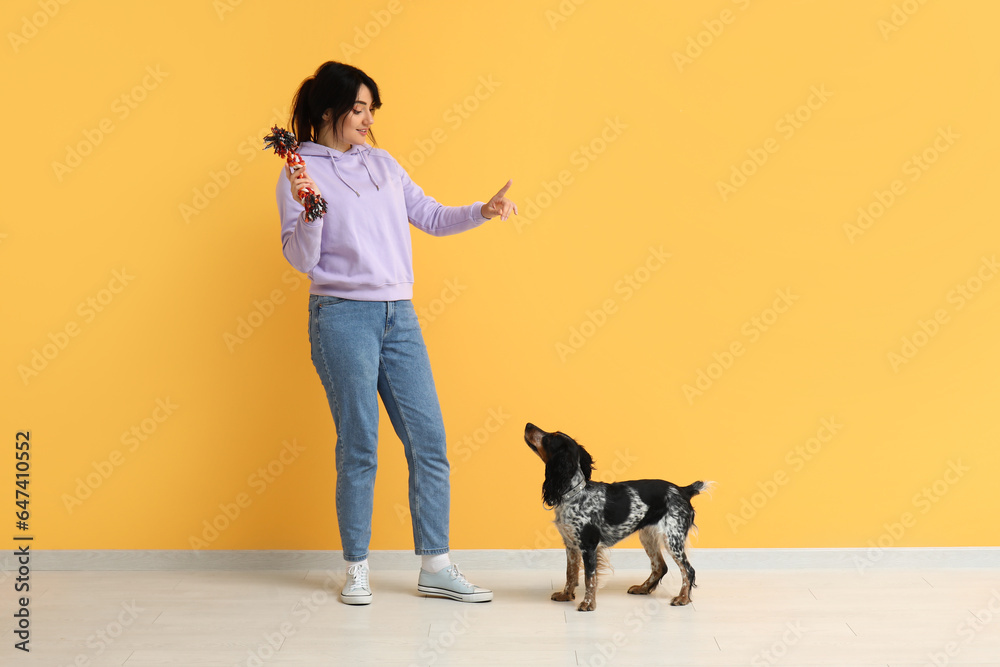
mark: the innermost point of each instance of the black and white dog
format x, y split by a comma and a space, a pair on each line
592, 516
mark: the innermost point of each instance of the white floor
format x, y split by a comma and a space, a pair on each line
270, 617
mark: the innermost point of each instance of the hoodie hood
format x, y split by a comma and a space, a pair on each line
355, 152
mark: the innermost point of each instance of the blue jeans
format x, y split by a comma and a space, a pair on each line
364, 348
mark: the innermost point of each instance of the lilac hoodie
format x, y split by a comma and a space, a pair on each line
361, 248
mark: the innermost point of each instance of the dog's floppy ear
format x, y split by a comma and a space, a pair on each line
559, 470
586, 463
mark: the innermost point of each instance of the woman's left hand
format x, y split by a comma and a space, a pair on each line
500, 205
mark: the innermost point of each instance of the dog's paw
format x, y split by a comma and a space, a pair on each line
587, 605
563, 596
639, 589
680, 601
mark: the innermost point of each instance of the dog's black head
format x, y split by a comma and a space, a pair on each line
562, 456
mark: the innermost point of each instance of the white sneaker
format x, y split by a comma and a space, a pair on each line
451, 583
356, 589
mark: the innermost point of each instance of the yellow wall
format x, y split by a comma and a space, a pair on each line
688, 289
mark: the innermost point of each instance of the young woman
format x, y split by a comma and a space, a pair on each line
363, 331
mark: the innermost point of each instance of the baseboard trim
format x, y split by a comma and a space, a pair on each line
860, 559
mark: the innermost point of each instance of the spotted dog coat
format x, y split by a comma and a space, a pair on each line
592, 516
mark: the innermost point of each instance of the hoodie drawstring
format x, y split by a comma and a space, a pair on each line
337, 171
363, 159
367, 168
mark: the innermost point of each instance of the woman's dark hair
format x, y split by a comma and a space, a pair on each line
334, 86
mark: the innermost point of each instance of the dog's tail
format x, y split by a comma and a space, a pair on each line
692, 490
689, 492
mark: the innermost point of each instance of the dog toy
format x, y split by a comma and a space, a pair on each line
286, 146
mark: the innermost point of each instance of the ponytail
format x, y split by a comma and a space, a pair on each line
301, 122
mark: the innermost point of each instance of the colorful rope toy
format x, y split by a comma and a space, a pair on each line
286, 146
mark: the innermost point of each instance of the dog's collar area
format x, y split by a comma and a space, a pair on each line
577, 488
